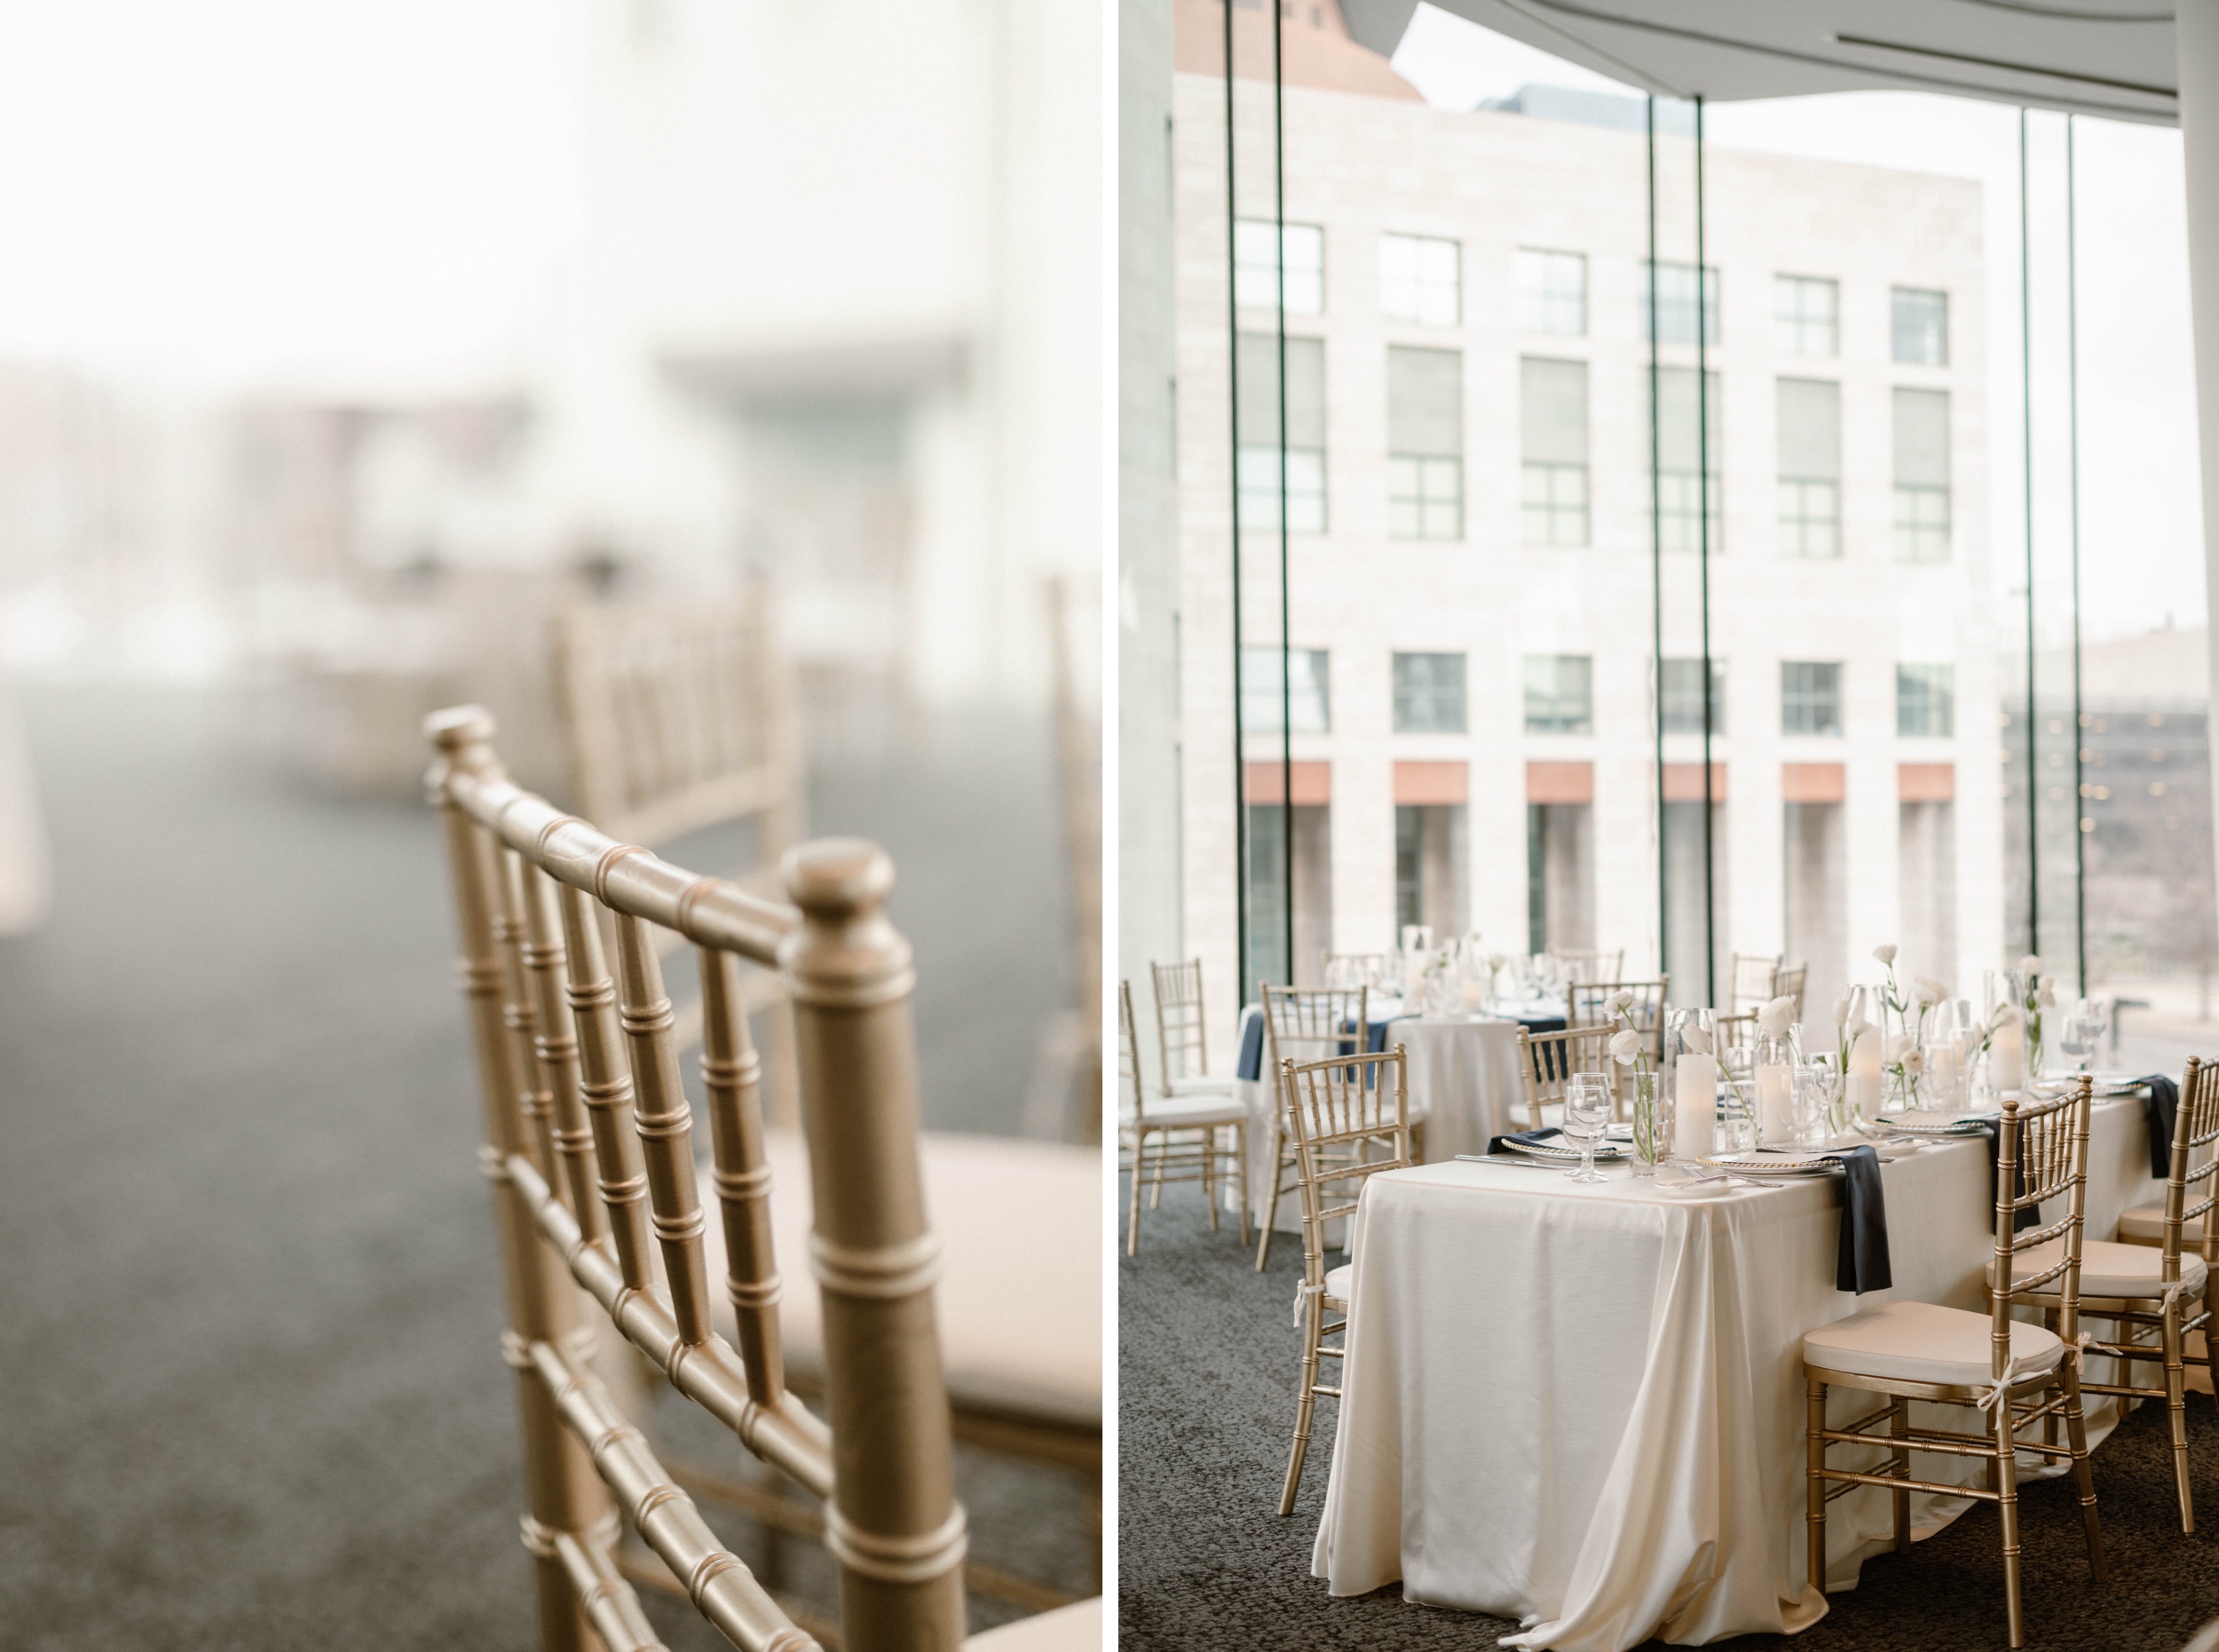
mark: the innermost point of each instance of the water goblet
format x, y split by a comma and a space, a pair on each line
1586, 1114
2076, 1033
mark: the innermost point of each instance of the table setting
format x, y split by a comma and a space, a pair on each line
1630, 1298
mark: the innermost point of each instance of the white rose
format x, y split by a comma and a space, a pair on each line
1625, 1045
1930, 990
2030, 964
1772, 1021
1695, 1038
1885, 953
1620, 999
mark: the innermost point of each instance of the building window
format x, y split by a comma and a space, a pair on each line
1419, 279
1256, 411
1921, 327
1922, 475
1811, 697
1675, 303
1424, 443
1429, 693
1266, 697
1810, 440
1552, 292
1685, 495
1553, 413
1256, 272
1925, 701
1806, 313
1679, 692
1560, 694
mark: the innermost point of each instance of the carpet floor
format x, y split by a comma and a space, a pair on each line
249, 1309
1207, 1362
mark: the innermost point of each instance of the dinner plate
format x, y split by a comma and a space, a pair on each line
1605, 1151
1920, 1121
1763, 1164
2106, 1084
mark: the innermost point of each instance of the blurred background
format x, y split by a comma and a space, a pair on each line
343, 351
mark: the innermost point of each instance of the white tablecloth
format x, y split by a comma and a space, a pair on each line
1581, 1406
1462, 1081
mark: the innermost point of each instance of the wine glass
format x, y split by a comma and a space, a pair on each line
1586, 1113
2077, 1035
1814, 1090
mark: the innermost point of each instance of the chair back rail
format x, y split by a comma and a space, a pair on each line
589, 1147
1341, 1113
2195, 1158
1545, 1060
1788, 984
1129, 1054
1181, 1024
2042, 1153
1754, 978
1309, 1021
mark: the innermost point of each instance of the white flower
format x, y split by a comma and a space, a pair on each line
1623, 998
1899, 1047
1841, 1012
2049, 994
1695, 1038
1884, 952
2003, 1013
1496, 960
1858, 1029
1913, 1061
1929, 990
2030, 964
1625, 1045
1773, 1020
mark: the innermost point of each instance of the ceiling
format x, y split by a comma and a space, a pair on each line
2110, 58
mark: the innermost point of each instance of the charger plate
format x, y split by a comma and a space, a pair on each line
1920, 1121
1763, 1164
1605, 1151
2106, 1084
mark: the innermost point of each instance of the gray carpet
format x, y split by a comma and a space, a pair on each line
1207, 1364
248, 1306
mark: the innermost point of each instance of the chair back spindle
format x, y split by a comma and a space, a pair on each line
2041, 1154
1182, 1036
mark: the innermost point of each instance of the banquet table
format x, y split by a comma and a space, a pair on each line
1461, 1075
1581, 1406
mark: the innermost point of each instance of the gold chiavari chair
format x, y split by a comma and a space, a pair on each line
1182, 1032
1603, 966
1737, 1033
1756, 979
1587, 1005
1346, 1128
1186, 1131
1545, 1060
590, 1150
2120, 1280
1788, 984
1989, 1361
1304, 1023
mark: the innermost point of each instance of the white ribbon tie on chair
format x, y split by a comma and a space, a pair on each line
1303, 1290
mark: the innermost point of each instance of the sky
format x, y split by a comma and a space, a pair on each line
2141, 509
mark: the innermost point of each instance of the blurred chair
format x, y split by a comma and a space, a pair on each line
1346, 1128
1303, 1023
1788, 984
1186, 1128
1737, 1033
1755, 979
1582, 966
1182, 1030
1368, 969
1545, 1060
677, 718
1584, 1007
590, 1130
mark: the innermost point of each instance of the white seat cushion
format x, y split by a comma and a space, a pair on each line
1202, 1084
1020, 1290
1074, 1628
1923, 1342
2106, 1269
1188, 1112
2147, 1221
1337, 1283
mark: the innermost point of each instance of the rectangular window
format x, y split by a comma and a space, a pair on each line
1685, 495
1675, 305
1925, 701
1265, 696
1806, 315
1921, 327
1679, 690
1420, 280
1424, 443
1552, 292
1810, 440
1256, 272
1256, 409
1553, 414
1560, 694
1429, 693
1811, 697
1922, 475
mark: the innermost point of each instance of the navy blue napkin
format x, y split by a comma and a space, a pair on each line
1251, 1066
1860, 1259
1494, 1142
2161, 1107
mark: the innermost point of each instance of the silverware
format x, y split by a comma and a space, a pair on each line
1511, 1159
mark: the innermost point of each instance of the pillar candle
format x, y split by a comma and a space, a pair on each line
1864, 1076
2007, 1056
1694, 1105
1775, 1106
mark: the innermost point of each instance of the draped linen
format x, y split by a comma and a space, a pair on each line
1581, 1406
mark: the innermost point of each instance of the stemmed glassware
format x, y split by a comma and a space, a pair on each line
2081, 1031
1586, 1113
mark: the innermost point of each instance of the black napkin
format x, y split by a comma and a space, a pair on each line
1861, 1262
2030, 1217
2161, 1108
1251, 1065
1494, 1142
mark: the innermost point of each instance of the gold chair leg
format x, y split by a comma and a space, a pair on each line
1899, 1426
1210, 1173
1240, 1180
2177, 1413
1271, 1200
2076, 1432
1814, 1484
2007, 1491
1155, 1188
1313, 1325
1133, 1222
